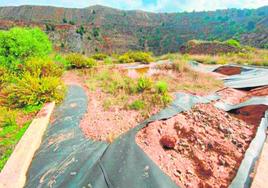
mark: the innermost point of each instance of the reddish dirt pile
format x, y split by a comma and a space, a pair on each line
228, 70
260, 91
210, 145
235, 96
251, 114
231, 96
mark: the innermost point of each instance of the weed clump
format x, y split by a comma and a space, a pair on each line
108, 61
99, 56
144, 83
161, 87
30, 90
137, 105
76, 60
125, 59
43, 67
136, 56
233, 42
7, 117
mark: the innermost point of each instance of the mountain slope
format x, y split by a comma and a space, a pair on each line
99, 28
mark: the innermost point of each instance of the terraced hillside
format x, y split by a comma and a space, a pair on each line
99, 28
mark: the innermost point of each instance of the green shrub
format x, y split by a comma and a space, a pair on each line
161, 87
79, 61
31, 90
161, 99
60, 59
144, 83
233, 42
115, 83
130, 57
142, 57
137, 105
3, 73
90, 62
108, 61
43, 67
166, 99
125, 59
18, 44
265, 46
99, 56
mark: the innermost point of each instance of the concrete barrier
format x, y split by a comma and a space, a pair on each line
14, 172
261, 175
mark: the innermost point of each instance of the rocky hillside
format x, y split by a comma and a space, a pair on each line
99, 28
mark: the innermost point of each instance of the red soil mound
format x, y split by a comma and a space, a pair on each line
260, 91
251, 114
228, 70
235, 96
210, 145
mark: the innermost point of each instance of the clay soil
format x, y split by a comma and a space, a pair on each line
228, 70
206, 145
235, 96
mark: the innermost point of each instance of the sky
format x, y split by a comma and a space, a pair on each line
146, 5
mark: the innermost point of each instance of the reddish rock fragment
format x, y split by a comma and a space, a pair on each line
168, 142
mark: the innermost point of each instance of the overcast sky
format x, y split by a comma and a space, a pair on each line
147, 5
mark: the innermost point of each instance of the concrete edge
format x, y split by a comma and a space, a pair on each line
261, 171
13, 175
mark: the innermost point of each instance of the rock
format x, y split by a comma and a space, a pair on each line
168, 142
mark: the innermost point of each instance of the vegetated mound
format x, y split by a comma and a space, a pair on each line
208, 47
202, 147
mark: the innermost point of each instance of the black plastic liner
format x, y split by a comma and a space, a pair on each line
67, 159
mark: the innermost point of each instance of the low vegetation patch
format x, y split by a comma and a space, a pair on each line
136, 56
99, 56
28, 79
136, 94
146, 93
251, 56
76, 60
